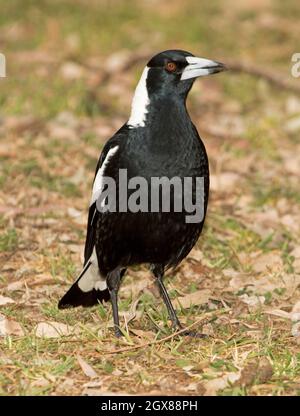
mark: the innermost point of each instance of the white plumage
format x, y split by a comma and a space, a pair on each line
140, 103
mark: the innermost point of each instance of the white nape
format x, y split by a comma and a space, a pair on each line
98, 182
92, 279
140, 102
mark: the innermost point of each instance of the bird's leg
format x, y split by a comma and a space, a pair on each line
113, 283
158, 273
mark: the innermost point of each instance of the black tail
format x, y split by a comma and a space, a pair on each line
76, 297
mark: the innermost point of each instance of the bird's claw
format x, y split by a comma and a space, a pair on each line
194, 334
188, 333
118, 333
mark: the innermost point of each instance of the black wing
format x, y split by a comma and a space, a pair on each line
117, 140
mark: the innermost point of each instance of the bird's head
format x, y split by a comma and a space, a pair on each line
168, 74
176, 70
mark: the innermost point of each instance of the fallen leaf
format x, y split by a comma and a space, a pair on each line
10, 327
269, 261
149, 335
291, 164
208, 329
71, 71
79, 176
289, 220
77, 216
262, 284
66, 385
278, 312
4, 300
296, 265
117, 372
292, 105
86, 368
296, 329
40, 279
196, 255
95, 383
36, 280
296, 252
15, 286
97, 388
200, 297
292, 125
252, 300
255, 372
294, 315
67, 118
117, 60
295, 312
296, 307
4, 359
224, 182
98, 392
133, 290
53, 330
220, 383
40, 382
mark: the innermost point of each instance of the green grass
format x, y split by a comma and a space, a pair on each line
9, 240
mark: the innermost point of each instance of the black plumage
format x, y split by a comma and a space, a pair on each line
159, 140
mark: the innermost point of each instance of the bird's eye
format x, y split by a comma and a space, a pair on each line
171, 66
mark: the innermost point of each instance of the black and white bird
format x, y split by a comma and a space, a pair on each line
158, 140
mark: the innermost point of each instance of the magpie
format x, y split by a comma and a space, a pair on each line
159, 140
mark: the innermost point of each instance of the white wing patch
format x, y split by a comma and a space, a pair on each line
98, 182
92, 279
140, 103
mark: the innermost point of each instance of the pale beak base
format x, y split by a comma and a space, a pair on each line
199, 67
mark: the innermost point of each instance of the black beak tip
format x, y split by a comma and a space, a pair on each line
222, 67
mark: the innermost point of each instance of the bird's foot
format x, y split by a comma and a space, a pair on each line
186, 332
194, 334
118, 332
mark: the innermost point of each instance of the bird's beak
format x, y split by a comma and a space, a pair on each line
198, 67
